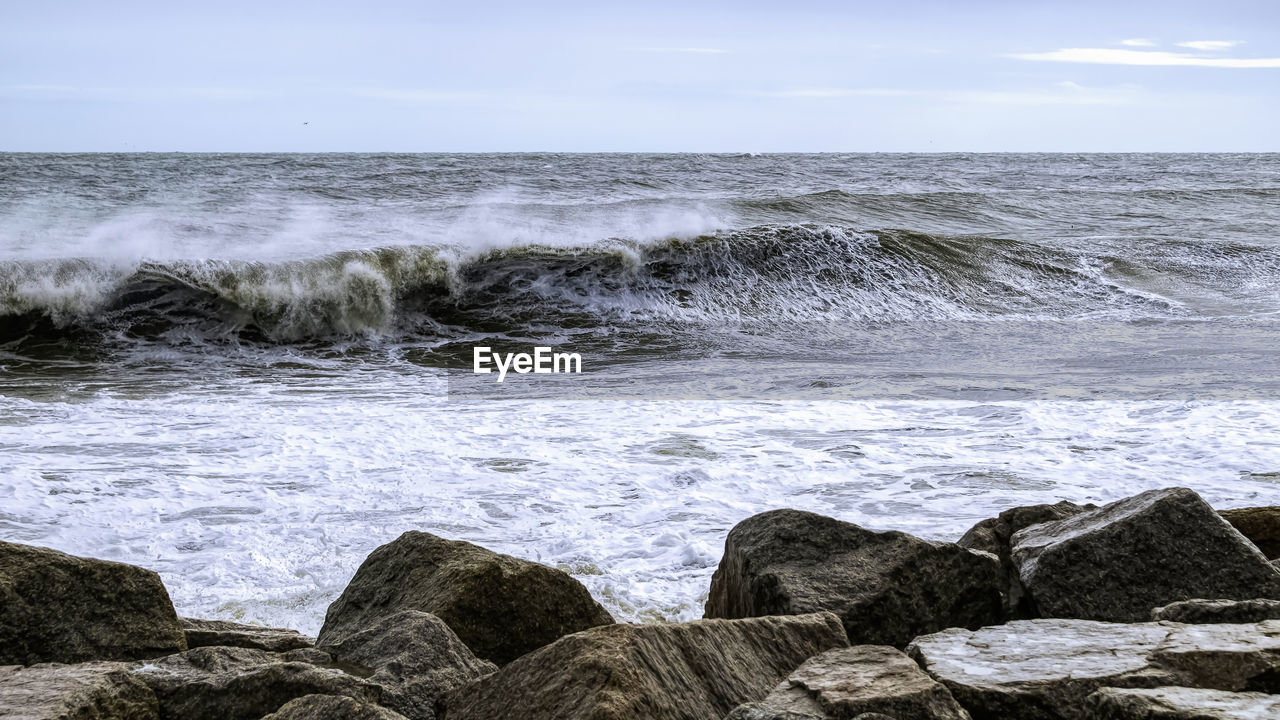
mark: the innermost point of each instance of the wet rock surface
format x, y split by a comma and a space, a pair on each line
993, 535
228, 683
887, 587
222, 633
331, 707
415, 658
701, 669
88, 691
849, 682
500, 606
1174, 703
1260, 524
56, 607
1218, 611
1118, 562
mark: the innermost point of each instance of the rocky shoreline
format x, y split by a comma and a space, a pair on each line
1152, 607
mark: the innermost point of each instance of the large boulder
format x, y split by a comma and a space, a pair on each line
332, 707
230, 683
1175, 703
690, 671
56, 607
89, 691
415, 658
887, 587
222, 633
1260, 524
500, 606
1119, 561
1041, 669
847, 682
993, 535
1201, 612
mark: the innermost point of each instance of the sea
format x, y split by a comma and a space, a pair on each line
246, 372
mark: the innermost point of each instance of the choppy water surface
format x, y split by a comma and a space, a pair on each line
246, 372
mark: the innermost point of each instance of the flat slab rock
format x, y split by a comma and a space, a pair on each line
88, 691
1174, 703
1041, 669
699, 670
1034, 669
887, 587
1119, 561
1199, 612
331, 707
56, 607
500, 606
229, 683
223, 633
849, 682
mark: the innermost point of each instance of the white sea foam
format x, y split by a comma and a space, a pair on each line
257, 495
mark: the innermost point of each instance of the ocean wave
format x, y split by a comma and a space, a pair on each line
754, 279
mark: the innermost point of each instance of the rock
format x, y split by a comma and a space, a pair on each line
1224, 657
701, 669
1041, 669
887, 587
500, 606
56, 607
214, 633
1174, 703
763, 711
1199, 612
1120, 561
1261, 525
993, 534
847, 682
230, 683
89, 691
415, 657
331, 707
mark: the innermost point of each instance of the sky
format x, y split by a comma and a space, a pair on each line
654, 76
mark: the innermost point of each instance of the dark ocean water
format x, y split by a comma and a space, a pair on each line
248, 370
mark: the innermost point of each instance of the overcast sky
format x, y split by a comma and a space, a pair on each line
802, 75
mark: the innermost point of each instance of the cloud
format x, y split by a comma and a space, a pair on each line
1210, 44
686, 50
1064, 93
1138, 42
1113, 56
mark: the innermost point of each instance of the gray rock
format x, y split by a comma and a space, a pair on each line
763, 711
1120, 561
230, 683
89, 691
887, 587
1260, 524
1224, 657
500, 606
213, 633
1041, 669
846, 682
415, 658
1200, 612
701, 669
993, 535
1175, 703
56, 607
331, 707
